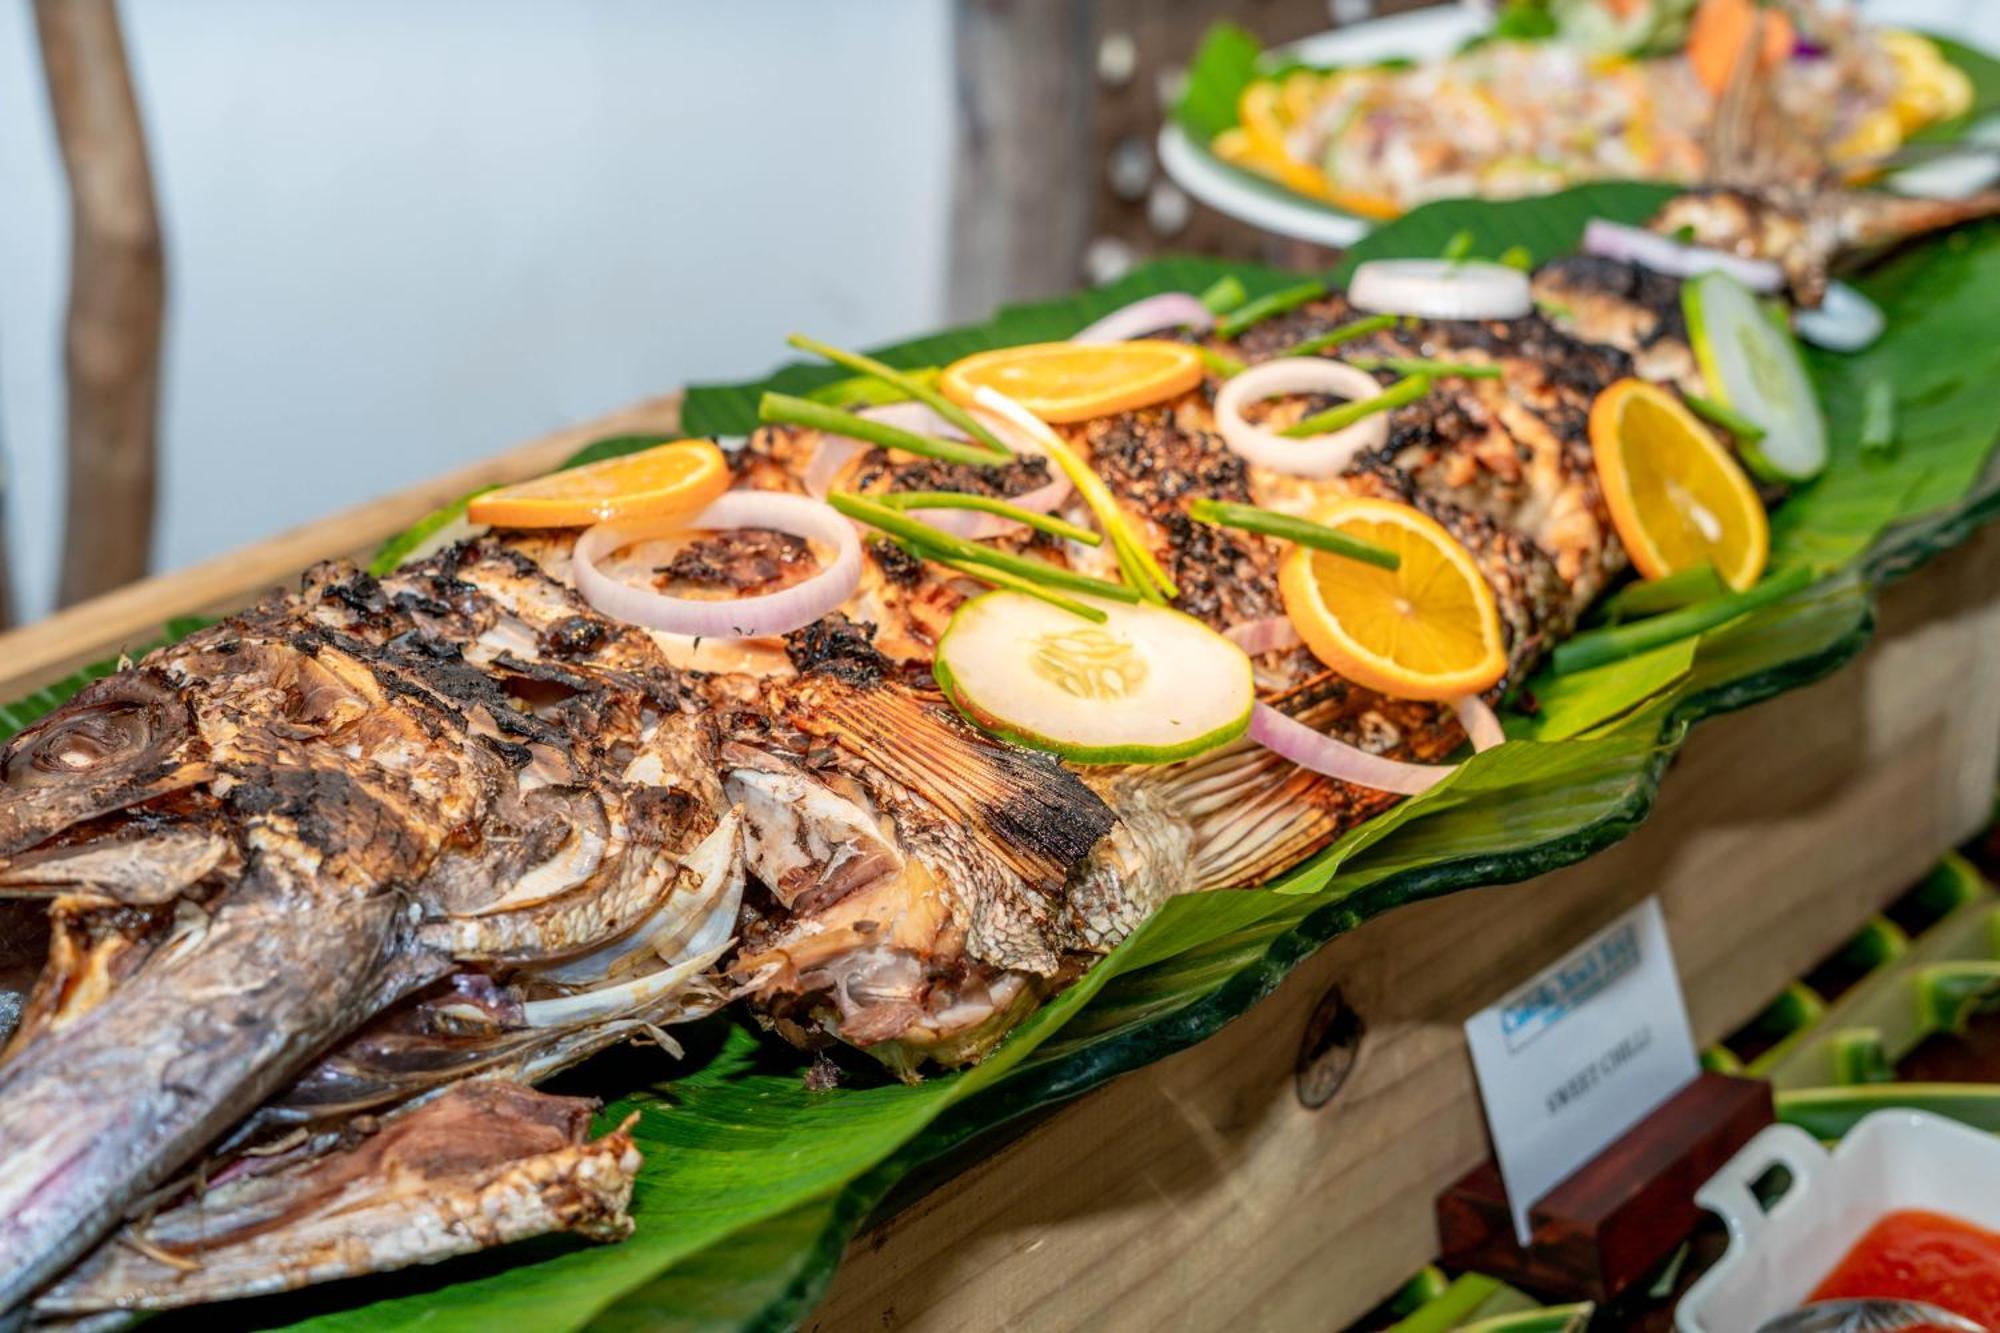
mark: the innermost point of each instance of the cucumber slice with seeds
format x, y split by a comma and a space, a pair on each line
1751, 366
1148, 686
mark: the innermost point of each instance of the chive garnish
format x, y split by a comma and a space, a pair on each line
866, 389
936, 540
999, 578
1878, 421
1276, 303
1048, 523
1742, 427
1220, 365
1403, 391
1604, 646
1334, 337
908, 383
1458, 247
1320, 537
1417, 365
1224, 295
1650, 597
1518, 257
1141, 570
781, 409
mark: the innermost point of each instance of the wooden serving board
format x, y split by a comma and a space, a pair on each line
1201, 1192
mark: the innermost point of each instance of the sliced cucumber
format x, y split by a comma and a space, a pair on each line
1148, 686
1751, 366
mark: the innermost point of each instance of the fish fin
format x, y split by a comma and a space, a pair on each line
1255, 813
1037, 817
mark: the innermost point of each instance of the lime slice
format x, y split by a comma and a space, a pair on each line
1751, 366
1148, 686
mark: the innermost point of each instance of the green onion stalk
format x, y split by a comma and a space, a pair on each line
1053, 526
784, 409
999, 578
1276, 303
1333, 337
1399, 394
910, 384
932, 541
1286, 527
1135, 562
1604, 646
1417, 365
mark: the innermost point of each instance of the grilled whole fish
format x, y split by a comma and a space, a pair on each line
344, 871
445, 784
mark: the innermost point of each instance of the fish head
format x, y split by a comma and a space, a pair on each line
120, 743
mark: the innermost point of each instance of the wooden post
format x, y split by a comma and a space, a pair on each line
1059, 102
1020, 208
117, 298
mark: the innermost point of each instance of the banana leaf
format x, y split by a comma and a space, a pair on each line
753, 1184
1230, 58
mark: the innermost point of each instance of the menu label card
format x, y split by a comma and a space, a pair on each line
1580, 1054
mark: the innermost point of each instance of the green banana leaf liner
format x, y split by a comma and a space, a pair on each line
753, 1185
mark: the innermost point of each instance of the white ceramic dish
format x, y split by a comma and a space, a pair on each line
1890, 1160
1427, 33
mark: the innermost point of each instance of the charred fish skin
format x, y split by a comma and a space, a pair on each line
483, 1165
333, 801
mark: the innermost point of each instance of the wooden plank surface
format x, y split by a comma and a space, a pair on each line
1199, 1193
50, 649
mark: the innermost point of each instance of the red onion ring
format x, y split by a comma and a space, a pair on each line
831, 455
1264, 635
1481, 723
1440, 289
1169, 310
1316, 455
743, 617
1337, 759
1663, 254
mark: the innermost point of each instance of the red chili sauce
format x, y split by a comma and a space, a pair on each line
1921, 1256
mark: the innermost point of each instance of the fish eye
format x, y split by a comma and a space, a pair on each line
77, 744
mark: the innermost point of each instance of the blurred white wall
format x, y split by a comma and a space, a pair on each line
400, 236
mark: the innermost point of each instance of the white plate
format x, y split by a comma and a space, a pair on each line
1426, 34
1891, 1160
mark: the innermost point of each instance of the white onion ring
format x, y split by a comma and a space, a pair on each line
1663, 254
743, 617
1846, 321
1337, 759
1440, 289
1315, 455
1481, 723
1169, 310
1263, 635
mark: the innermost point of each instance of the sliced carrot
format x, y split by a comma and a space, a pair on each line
1723, 29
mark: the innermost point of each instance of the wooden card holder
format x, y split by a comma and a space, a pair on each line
1622, 1213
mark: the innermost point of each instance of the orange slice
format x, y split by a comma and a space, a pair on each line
1428, 629
1677, 498
1076, 381
659, 482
